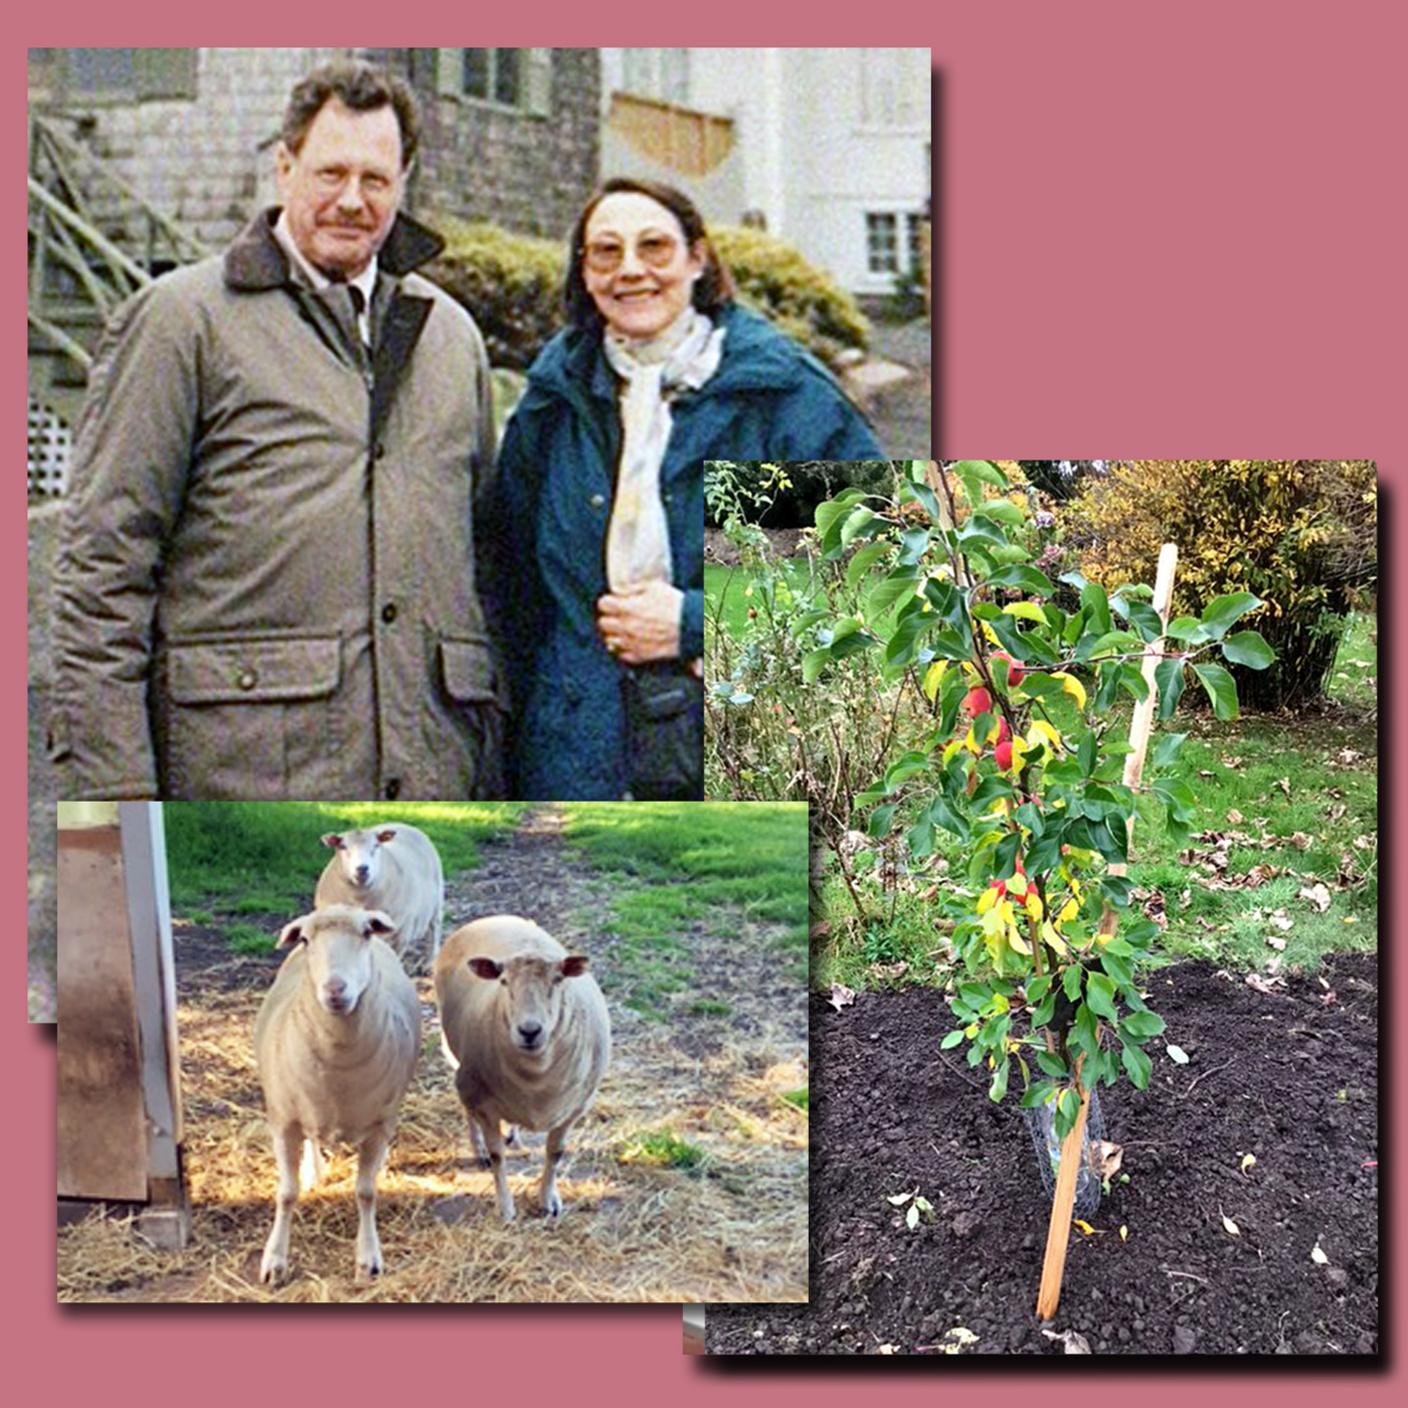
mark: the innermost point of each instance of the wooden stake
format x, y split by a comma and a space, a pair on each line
1053, 1266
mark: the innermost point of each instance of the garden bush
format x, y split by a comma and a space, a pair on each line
795, 296
792, 498
512, 284
1298, 534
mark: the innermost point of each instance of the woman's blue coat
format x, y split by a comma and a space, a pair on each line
769, 400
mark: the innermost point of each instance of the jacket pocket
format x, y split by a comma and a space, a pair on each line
252, 718
478, 699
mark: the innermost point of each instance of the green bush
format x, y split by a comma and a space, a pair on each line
512, 284
795, 296
786, 496
1298, 534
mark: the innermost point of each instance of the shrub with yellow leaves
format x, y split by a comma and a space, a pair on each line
1300, 535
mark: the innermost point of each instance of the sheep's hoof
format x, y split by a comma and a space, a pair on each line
484, 1161
508, 1214
273, 1270
368, 1270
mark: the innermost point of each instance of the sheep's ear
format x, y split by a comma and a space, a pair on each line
377, 924
485, 968
574, 965
292, 934
333, 840
388, 835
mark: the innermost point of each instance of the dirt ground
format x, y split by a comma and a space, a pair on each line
733, 1226
1288, 1077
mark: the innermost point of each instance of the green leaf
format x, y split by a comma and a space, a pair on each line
1026, 579
913, 544
1085, 1030
1097, 608
813, 663
1138, 1066
899, 584
861, 563
983, 471
880, 819
1052, 1064
1142, 1025
910, 488
920, 837
1003, 510
1118, 968
998, 1088
833, 511
951, 1040
1070, 981
1067, 1109
858, 521
1220, 689
852, 643
1168, 675
1100, 996
1249, 649
1186, 628
1117, 889
1043, 853
1166, 749
1220, 613
1132, 680
1144, 618
943, 813
1039, 1094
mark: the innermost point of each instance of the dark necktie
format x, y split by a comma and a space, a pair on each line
359, 303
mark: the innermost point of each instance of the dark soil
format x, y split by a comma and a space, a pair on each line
1290, 1077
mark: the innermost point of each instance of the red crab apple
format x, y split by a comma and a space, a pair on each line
1015, 672
1004, 731
1001, 885
977, 701
1003, 754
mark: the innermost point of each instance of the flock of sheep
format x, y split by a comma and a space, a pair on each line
522, 1022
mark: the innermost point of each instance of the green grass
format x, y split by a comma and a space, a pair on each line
661, 1149
727, 591
674, 865
263, 858
798, 1099
246, 938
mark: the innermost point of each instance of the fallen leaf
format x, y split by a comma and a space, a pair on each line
1086, 1228
1073, 1340
1274, 942
1347, 757
841, 996
1366, 842
957, 1340
1273, 965
1230, 1225
1264, 985
1248, 1161
911, 1218
1176, 1054
899, 1199
1282, 920
1231, 762
887, 1349
1284, 783
1124, 1233
1336, 812
1318, 1256
1107, 1157
1318, 896
1301, 841
820, 930
1234, 817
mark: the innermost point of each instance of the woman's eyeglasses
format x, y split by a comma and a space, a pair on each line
654, 251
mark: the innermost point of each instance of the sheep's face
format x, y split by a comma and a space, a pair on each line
530, 996
359, 853
338, 941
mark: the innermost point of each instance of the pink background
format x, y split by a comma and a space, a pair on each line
1165, 230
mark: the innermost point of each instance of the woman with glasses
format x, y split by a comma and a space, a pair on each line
600, 508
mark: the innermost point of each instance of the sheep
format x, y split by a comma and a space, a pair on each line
336, 1040
394, 868
529, 1029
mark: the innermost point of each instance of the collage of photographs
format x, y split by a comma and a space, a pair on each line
516, 707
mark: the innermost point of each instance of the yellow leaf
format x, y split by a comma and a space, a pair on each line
951, 750
933, 677
971, 743
1048, 932
1231, 1226
1027, 610
1015, 938
1248, 1161
1085, 1227
1000, 1004
1069, 910
1072, 686
1041, 730
990, 634
1124, 1233
1019, 755
1034, 904
987, 899
1017, 885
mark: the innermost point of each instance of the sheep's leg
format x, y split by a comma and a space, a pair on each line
371, 1153
288, 1143
494, 1141
556, 1153
312, 1169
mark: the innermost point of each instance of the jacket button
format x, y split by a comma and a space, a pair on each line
388, 612
668, 498
597, 500
247, 678
393, 789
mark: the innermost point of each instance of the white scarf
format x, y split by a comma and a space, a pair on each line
685, 355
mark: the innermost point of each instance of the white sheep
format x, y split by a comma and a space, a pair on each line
529, 1029
394, 868
336, 1040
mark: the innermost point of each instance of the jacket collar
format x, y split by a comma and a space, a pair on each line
255, 261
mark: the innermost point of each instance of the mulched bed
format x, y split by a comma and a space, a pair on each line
1290, 1077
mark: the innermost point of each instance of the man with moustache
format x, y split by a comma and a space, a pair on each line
266, 582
